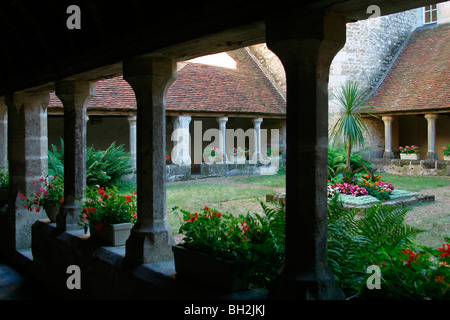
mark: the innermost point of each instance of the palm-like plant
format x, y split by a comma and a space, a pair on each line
350, 125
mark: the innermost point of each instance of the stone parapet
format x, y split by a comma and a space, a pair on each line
412, 167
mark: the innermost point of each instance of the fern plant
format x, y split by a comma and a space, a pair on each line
352, 240
268, 244
104, 168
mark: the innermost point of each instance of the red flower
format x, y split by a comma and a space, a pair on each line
445, 251
129, 198
412, 257
62, 200
99, 226
439, 279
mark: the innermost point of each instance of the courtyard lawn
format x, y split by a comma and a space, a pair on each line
240, 194
226, 194
416, 183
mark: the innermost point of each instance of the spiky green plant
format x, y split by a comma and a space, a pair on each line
350, 125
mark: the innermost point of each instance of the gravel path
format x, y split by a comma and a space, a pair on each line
434, 217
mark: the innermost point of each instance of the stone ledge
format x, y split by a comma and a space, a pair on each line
106, 274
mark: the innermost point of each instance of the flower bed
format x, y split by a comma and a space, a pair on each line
368, 199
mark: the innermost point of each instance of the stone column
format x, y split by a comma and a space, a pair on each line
151, 237
28, 160
283, 139
388, 153
3, 133
27, 142
258, 156
223, 134
132, 124
306, 43
75, 96
431, 119
181, 141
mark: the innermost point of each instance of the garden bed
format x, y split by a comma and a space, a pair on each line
400, 198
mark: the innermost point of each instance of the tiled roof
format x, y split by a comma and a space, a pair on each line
420, 77
201, 87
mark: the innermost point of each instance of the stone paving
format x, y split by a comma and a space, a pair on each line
16, 286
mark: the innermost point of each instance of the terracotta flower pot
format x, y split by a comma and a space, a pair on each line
221, 274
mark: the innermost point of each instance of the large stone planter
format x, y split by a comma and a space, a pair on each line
221, 274
412, 156
111, 234
447, 158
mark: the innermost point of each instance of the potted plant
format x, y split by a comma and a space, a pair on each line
168, 158
49, 197
211, 155
4, 184
274, 153
446, 152
409, 152
240, 154
109, 215
215, 249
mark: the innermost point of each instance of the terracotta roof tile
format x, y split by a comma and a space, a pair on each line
419, 79
201, 87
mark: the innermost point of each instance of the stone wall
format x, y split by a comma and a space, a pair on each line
370, 49
413, 167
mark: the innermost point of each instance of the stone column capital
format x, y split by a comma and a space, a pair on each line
257, 121
387, 119
182, 121
431, 116
17, 100
75, 94
221, 120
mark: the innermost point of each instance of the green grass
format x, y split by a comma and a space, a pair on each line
276, 180
194, 197
416, 183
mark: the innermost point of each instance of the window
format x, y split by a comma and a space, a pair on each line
430, 14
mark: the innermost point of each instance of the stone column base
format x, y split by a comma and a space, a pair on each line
307, 287
432, 156
388, 155
150, 244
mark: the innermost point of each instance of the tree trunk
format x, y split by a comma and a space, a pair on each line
349, 152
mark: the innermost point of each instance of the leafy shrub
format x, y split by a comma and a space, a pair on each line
4, 178
409, 273
107, 206
255, 239
337, 158
104, 168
